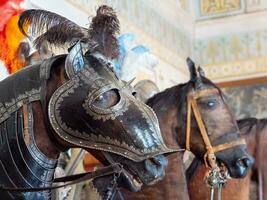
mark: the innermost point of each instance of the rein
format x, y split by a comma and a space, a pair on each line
112, 189
215, 177
115, 168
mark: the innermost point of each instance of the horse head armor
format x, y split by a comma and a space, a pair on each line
101, 98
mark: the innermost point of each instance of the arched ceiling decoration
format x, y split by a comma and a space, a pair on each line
231, 38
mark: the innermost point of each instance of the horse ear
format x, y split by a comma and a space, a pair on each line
74, 60
201, 71
192, 68
23, 51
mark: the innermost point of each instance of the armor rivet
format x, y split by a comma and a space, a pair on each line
125, 152
109, 147
81, 142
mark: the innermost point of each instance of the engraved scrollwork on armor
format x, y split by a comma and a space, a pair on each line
105, 114
76, 118
88, 75
74, 60
90, 139
38, 156
100, 141
153, 126
46, 166
2, 110
33, 168
6, 108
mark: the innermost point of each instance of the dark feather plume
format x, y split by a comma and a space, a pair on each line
103, 30
50, 28
58, 36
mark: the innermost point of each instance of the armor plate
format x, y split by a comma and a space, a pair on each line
130, 128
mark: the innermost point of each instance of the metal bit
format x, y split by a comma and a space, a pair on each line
219, 193
211, 193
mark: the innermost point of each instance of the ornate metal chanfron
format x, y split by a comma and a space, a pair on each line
128, 127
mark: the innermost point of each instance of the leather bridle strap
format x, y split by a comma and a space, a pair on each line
72, 179
229, 145
209, 157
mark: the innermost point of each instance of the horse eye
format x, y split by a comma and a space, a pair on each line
211, 104
107, 100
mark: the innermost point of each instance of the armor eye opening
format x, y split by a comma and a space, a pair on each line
107, 99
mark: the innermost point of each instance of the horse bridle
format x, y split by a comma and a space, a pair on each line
209, 156
215, 177
65, 181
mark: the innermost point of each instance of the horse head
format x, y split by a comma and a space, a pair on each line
90, 107
212, 116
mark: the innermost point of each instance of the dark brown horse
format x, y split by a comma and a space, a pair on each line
255, 133
171, 108
74, 100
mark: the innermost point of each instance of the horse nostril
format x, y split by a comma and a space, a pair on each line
160, 161
246, 161
240, 162
156, 163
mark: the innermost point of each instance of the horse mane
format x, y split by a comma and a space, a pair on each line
58, 31
174, 96
247, 124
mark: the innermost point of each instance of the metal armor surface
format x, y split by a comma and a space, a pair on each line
22, 164
129, 128
25, 86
